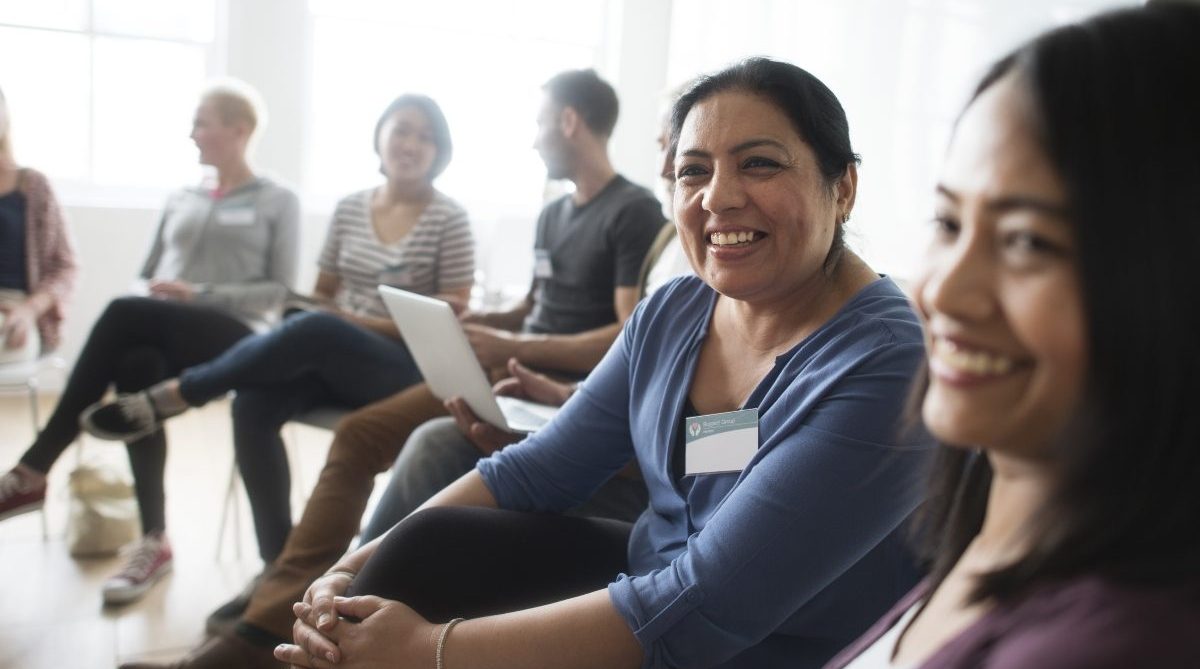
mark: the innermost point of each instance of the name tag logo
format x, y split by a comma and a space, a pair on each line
720, 442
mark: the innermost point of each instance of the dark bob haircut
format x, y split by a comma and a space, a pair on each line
813, 109
1117, 113
589, 95
437, 122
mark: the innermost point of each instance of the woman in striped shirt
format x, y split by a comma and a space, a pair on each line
342, 349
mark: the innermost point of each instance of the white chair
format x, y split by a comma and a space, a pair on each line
322, 417
25, 377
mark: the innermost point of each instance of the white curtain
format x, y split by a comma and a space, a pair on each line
901, 68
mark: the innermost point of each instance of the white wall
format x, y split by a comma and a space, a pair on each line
638, 70
111, 245
266, 43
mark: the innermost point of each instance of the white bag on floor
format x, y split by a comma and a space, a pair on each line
104, 512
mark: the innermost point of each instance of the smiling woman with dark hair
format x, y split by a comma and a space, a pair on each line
760, 400
1061, 308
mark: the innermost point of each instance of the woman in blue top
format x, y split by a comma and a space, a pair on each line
770, 556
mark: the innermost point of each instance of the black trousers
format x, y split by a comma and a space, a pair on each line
136, 343
450, 562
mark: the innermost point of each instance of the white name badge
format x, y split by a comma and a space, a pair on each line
542, 267
720, 442
236, 216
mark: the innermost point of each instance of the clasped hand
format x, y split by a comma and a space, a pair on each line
356, 632
180, 291
18, 319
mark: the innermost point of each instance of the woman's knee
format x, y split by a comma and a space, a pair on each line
122, 313
125, 305
139, 369
418, 540
313, 325
359, 442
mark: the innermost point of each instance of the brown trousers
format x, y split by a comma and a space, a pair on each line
365, 444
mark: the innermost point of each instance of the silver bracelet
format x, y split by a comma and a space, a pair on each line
441, 647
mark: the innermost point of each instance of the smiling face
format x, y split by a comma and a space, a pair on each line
406, 146
220, 142
1000, 295
755, 216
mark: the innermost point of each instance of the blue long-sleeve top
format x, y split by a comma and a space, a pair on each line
786, 562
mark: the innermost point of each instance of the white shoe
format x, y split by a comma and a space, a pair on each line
149, 560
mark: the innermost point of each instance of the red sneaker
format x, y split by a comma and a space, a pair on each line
149, 561
18, 495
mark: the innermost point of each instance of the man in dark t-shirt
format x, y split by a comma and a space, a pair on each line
592, 248
589, 246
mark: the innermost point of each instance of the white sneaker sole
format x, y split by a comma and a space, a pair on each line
132, 593
85, 422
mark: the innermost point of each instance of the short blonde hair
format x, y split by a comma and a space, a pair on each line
236, 100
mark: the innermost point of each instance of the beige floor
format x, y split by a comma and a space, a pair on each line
50, 608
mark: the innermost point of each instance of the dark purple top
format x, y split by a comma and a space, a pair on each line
1086, 622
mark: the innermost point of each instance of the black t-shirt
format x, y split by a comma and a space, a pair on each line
13, 272
585, 252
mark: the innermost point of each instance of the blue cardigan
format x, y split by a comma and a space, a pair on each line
786, 562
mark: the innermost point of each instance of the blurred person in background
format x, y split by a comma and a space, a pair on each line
339, 347
222, 258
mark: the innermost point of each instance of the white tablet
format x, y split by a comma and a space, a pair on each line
438, 344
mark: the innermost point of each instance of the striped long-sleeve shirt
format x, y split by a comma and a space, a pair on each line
436, 256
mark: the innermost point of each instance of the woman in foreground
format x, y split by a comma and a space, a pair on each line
1061, 306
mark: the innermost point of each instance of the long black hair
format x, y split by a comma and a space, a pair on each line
815, 113
1117, 112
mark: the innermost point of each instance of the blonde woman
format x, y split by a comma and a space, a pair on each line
219, 264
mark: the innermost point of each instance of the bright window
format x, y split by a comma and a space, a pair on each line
102, 91
484, 62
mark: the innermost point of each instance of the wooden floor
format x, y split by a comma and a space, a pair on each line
51, 614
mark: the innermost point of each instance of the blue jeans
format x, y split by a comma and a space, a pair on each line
437, 454
311, 359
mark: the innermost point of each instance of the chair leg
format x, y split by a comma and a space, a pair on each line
31, 386
231, 506
291, 444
